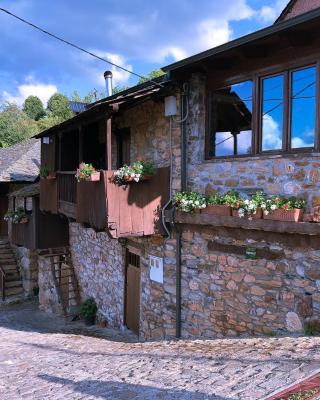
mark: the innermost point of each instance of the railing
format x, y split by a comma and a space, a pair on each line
2, 283
67, 186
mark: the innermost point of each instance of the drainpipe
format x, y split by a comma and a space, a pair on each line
184, 106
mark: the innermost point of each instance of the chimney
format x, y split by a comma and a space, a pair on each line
108, 78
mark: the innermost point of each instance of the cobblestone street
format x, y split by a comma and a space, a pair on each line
42, 357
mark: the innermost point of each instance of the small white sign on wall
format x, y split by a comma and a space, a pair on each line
156, 269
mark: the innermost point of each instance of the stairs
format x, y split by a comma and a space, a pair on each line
13, 289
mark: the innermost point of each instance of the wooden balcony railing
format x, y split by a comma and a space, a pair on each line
131, 210
25, 234
67, 193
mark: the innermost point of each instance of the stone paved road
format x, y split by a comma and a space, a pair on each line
43, 358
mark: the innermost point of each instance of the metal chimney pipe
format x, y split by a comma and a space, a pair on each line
108, 78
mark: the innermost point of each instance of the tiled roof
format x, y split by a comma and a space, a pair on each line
27, 191
21, 162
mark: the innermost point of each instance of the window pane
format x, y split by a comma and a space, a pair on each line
29, 204
272, 113
231, 115
303, 107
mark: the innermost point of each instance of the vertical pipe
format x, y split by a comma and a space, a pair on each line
184, 109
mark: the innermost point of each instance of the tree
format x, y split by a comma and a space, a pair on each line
58, 106
15, 125
117, 89
33, 107
156, 73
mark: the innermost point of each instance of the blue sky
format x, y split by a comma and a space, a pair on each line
140, 35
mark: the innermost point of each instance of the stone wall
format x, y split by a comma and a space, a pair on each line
296, 175
157, 300
28, 264
99, 266
223, 293
150, 135
49, 300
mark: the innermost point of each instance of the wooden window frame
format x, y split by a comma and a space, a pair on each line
257, 78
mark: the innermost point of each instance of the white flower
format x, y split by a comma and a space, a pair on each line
196, 203
273, 207
266, 212
263, 205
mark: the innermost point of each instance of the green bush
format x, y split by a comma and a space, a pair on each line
88, 308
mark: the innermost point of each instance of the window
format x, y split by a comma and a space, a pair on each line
283, 120
303, 108
231, 120
272, 112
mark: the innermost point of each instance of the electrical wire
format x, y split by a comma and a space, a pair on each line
77, 47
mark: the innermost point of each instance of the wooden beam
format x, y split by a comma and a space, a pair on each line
59, 151
80, 129
108, 143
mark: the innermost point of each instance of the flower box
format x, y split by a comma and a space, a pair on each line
294, 215
95, 177
51, 175
217, 209
257, 215
23, 220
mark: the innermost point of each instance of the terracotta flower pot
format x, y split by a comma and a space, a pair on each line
216, 209
52, 175
197, 210
294, 215
95, 177
257, 215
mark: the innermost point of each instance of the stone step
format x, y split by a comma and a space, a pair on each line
13, 284
14, 291
11, 277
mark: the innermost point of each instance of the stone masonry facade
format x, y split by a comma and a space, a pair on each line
28, 265
223, 293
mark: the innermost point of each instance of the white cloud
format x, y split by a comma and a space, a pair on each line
119, 76
212, 33
30, 88
269, 14
271, 139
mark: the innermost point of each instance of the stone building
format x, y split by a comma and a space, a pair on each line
246, 118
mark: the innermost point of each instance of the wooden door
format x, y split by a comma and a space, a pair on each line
132, 296
3, 210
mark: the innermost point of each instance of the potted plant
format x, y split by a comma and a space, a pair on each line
88, 311
216, 205
16, 217
86, 172
235, 202
140, 170
189, 202
251, 208
46, 174
284, 209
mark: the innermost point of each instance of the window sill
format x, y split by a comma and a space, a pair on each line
263, 156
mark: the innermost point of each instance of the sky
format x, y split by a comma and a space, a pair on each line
139, 35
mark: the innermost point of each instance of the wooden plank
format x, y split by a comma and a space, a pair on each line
133, 298
68, 209
49, 195
91, 203
109, 144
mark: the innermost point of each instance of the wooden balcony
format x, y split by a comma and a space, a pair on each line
42, 231
132, 210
